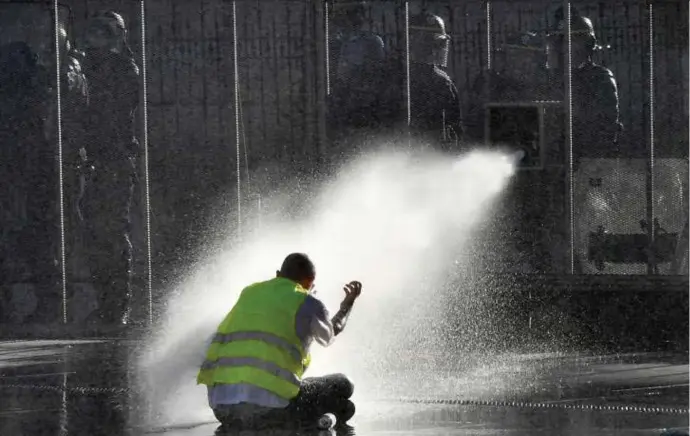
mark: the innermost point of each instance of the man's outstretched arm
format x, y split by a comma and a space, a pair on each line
352, 291
339, 320
323, 329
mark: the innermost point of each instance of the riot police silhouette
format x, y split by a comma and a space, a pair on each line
357, 58
113, 150
435, 114
28, 190
29, 136
352, 47
596, 124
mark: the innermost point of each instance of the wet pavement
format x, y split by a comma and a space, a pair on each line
89, 388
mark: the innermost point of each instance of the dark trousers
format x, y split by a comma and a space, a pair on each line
317, 396
107, 208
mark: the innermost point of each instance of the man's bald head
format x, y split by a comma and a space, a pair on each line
298, 268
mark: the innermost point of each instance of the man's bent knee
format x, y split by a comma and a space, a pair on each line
343, 385
347, 412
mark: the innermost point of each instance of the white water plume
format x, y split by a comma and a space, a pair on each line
392, 220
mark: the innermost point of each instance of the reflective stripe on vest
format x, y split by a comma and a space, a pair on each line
260, 350
221, 338
254, 363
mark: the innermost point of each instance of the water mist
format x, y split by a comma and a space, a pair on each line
395, 221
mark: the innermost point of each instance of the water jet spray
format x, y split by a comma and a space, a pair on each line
393, 221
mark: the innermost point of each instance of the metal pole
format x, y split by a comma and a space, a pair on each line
486, 86
407, 71
322, 73
488, 35
147, 190
61, 187
237, 118
327, 38
651, 259
568, 76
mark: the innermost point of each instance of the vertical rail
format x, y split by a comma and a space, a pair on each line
61, 187
237, 117
488, 35
486, 83
322, 65
64, 410
651, 258
327, 38
147, 183
407, 65
569, 130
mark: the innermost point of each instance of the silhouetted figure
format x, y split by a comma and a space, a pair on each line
435, 104
73, 115
112, 150
357, 57
28, 171
352, 47
435, 113
595, 112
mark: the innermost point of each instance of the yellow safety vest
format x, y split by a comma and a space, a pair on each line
257, 342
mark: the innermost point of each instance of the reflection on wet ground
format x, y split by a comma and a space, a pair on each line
87, 388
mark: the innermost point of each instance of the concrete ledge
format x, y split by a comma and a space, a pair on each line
599, 283
68, 331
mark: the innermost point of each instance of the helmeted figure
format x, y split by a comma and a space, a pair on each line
29, 224
595, 113
74, 110
356, 76
352, 47
30, 195
112, 150
435, 114
73, 117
